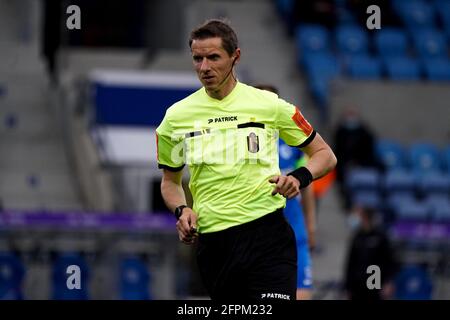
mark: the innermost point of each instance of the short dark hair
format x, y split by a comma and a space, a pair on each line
216, 28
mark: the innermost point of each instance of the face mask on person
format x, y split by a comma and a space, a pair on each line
354, 221
352, 123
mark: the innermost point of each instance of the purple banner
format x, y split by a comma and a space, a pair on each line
421, 231
87, 220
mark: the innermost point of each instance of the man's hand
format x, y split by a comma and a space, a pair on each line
187, 226
287, 186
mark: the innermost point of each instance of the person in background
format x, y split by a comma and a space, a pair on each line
354, 145
300, 213
369, 246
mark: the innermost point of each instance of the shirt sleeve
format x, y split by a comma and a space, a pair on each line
169, 148
294, 129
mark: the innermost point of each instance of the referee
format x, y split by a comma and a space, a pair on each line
227, 133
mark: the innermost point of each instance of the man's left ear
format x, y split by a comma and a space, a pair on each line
237, 56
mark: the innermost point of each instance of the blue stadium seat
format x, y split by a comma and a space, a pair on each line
320, 69
434, 183
415, 13
430, 43
60, 277
440, 207
398, 180
446, 158
351, 39
402, 68
362, 179
134, 279
413, 283
412, 211
424, 157
436, 69
391, 41
12, 272
442, 7
365, 67
311, 38
391, 154
397, 199
442, 214
371, 199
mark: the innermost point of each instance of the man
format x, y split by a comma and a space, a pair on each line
369, 246
354, 144
227, 133
301, 214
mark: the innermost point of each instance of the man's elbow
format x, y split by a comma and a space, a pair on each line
332, 161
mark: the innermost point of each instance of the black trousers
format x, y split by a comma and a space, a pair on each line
253, 261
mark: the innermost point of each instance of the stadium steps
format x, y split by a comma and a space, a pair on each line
31, 143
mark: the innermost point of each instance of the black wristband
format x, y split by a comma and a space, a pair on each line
303, 175
179, 211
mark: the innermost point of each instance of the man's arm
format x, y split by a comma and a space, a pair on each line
173, 195
321, 158
321, 161
172, 190
309, 214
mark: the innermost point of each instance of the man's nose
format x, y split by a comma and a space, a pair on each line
204, 65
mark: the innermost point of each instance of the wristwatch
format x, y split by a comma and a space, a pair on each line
179, 211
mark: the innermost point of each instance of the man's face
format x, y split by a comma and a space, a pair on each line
212, 63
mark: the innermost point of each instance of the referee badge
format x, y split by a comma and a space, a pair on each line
253, 142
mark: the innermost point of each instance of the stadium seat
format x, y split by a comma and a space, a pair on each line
364, 67
441, 214
321, 69
440, 207
415, 14
412, 211
391, 154
60, 277
390, 42
362, 179
351, 39
436, 69
398, 180
402, 68
12, 272
134, 279
434, 183
446, 158
396, 199
311, 38
442, 8
371, 199
424, 157
413, 283
429, 43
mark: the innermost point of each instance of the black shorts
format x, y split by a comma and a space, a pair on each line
252, 261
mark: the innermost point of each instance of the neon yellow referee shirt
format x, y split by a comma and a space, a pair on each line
231, 149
